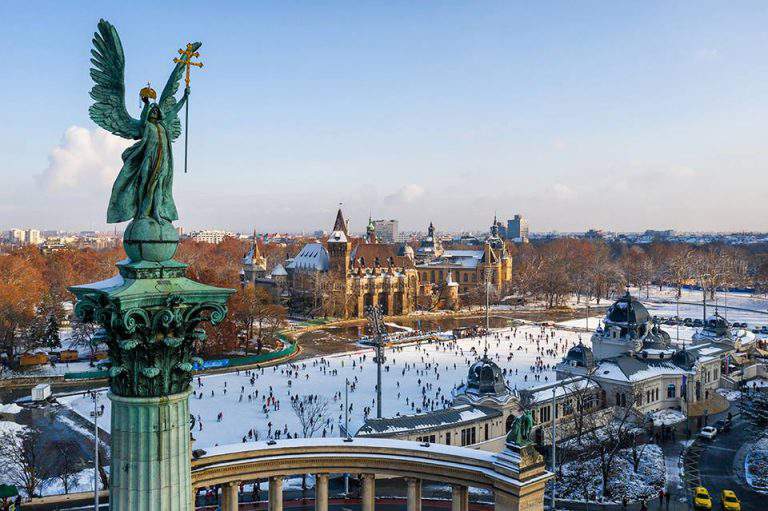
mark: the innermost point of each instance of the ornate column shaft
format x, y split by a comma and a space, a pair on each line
321, 492
150, 453
414, 494
368, 492
459, 498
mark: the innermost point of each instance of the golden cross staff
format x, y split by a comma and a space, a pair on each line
189, 54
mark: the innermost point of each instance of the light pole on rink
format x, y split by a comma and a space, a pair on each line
377, 328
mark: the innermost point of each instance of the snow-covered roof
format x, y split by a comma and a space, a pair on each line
564, 387
338, 237
628, 369
279, 271
313, 256
427, 421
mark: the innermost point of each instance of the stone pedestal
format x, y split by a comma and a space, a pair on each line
150, 467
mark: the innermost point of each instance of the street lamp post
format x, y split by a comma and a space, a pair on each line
375, 318
96, 413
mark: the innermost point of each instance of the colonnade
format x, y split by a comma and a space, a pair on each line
229, 494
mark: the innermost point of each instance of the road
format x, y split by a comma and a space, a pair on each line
718, 468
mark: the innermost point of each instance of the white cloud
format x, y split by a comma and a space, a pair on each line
407, 194
562, 191
83, 159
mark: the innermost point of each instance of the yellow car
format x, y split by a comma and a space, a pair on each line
730, 501
701, 499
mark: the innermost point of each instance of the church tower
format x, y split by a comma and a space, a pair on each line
339, 247
370, 232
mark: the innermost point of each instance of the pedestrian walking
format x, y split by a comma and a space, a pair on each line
661, 497
624, 503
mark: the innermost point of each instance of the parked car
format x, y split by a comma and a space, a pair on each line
687, 322
708, 432
701, 498
729, 501
698, 322
723, 425
764, 329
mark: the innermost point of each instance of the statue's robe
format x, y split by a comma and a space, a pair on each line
143, 186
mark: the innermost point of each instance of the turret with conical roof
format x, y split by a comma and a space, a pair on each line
339, 247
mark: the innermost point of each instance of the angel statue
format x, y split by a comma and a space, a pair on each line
143, 188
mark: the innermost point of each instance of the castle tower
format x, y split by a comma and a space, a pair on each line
339, 247
370, 232
254, 264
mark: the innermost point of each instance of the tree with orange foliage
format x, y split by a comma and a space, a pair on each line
257, 316
22, 290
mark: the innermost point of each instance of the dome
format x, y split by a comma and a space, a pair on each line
580, 356
628, 310
717, 325
485, 377
684, 359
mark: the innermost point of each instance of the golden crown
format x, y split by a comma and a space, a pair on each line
148, 92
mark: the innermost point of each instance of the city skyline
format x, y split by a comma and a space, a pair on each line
623, 118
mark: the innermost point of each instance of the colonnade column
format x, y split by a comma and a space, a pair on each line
276, 493
414, 494
321, 492
368, 493
459, 498
229, 496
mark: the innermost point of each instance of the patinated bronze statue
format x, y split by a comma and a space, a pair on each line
144, 186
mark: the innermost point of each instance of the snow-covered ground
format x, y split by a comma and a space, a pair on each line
434, 369
756, 465
580, 478
662, 303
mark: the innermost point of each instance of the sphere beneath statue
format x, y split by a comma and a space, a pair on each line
146, 239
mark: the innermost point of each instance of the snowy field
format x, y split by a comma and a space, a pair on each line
416, 378
662, 303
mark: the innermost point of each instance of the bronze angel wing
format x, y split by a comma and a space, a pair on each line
108, 73
168, 100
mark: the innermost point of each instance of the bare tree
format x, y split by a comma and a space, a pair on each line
311, 411
67, 463
23, 460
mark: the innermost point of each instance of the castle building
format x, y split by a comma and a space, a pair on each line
467, 265
355, 275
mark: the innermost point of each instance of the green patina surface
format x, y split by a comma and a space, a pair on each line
151, 314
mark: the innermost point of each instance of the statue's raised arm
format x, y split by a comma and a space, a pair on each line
108, 73
168, 104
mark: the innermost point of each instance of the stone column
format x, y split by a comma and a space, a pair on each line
276, 493
150, 453
368, 492
414, 494
507, 502
321, 492
459, 498
229, 493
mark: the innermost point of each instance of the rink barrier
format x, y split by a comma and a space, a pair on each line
288, 349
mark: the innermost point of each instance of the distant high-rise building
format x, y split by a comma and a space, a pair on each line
17, 236
33, 237
517, 229
386, 230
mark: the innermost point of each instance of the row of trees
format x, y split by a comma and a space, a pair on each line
556, 270
33, 291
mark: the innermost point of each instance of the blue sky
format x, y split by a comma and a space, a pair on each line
615, 115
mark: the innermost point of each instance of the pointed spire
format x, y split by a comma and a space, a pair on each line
340, 224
